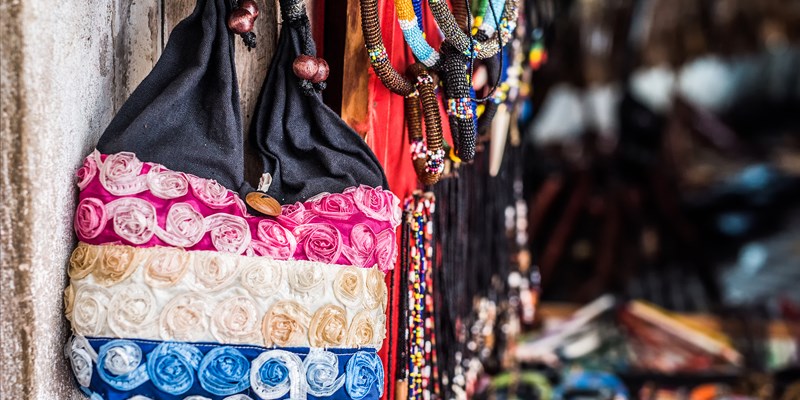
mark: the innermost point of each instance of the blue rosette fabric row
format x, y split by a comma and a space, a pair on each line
122, 369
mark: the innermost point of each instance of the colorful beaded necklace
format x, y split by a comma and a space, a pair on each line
421, 366
409, 16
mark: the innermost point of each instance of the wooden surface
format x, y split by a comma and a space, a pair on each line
65, 69
355, 87
251, 66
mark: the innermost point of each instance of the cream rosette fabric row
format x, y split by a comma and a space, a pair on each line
163, 293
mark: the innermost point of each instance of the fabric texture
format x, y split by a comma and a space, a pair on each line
124, 200
166, 293
185, 114
304, 145
114, 369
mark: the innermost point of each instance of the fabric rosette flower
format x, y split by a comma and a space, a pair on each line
274, 373
132, 311
293, 215
90, 218
386, 249
229, 233
69, 301
348, 287
364, 331
321, 242
165, 267
285, 324
235, 320
261, 278
377, 293
83, 261
185, 226
80, 355
333, 206
120, 174
322, 373
364, 374
375, 202
224, 371
214, 271
328, 327
171, 366
275, 241
114, 265
184, 318
307, 280
89, 310
211, 193
134, 219
166, 184
362, 245
88, 171
119, 364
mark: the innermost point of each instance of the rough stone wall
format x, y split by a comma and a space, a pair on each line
65, 67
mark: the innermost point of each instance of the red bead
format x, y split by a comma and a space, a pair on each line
306, 67
241, 21
251, 6
322, 71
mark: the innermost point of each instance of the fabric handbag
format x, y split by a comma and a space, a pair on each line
177, 291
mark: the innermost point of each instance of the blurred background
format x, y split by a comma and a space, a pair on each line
661, 166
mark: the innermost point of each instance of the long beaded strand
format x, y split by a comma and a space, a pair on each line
419, 255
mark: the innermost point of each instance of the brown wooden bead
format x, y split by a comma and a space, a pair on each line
241, 21
305, 67
322, 71
251, 6
263, 203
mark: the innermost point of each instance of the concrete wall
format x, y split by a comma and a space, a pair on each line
65, 67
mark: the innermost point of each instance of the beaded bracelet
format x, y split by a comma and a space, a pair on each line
464, 43
427, 155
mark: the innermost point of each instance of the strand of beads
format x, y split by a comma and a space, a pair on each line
459, 103
420, 252
413, 33
418, 12
427, 156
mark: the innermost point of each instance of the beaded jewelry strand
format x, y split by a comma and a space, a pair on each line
412, 28
428, 158
419, 209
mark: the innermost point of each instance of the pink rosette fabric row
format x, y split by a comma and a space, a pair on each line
126, 201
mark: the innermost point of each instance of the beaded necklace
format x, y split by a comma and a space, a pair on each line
420, 93
411, 24
419, 332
